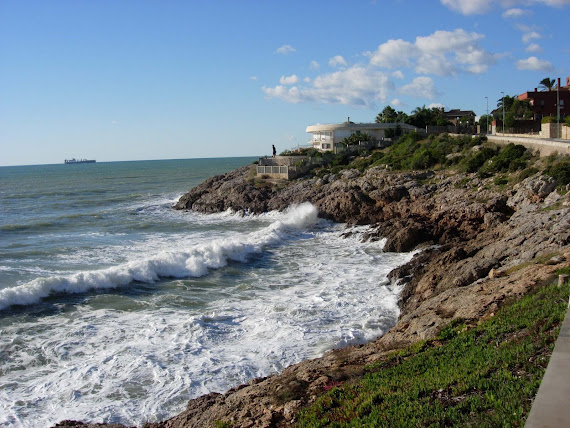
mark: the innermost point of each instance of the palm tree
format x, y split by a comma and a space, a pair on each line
547, 84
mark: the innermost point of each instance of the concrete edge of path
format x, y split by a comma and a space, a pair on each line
551, 407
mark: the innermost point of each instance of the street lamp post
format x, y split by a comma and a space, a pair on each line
487, 130
558, 126
503, 113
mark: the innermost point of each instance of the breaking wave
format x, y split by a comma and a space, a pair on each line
196, 261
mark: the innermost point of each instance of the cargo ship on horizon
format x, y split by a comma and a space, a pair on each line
73, 160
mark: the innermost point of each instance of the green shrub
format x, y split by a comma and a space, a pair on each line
560, 171
476, 160
500, 180
511, 158
548, 119
567, 120
525, 173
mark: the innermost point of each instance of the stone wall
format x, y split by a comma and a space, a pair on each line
543, 146
550, 130
283, 160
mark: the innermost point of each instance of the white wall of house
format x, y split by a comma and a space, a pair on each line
326, 137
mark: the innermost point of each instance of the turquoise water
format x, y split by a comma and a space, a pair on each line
116, 308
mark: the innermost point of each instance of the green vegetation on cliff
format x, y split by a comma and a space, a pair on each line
462, 153
411, 152
485, 375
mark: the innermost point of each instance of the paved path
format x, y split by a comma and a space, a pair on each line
551, 407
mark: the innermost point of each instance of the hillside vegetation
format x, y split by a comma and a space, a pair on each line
463, 153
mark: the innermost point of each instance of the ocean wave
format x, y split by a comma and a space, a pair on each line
195, 262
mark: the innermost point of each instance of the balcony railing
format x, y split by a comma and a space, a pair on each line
274, 169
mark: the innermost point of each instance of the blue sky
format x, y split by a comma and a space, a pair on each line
131, 80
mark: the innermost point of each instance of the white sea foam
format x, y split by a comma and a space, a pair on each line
196, 261
131, 366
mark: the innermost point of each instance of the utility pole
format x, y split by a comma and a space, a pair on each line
503, 113
487, 130
558, 128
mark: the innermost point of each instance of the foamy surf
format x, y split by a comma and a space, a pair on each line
197, 261
137, 354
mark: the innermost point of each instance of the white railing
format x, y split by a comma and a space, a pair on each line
275, 169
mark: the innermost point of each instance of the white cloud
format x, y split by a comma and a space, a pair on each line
252, 77
314, 65
435, 64
393, 54
442, 53
336, 61
396, 102
469, 7
398, 74
531, 35
514, 13
475, 60
285, 49
307, 80
289, 80
357, 86
478, 7
555, 3
534, 47
436, 105
534, 64
447, 41
420, 87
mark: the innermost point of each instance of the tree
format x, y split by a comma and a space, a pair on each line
423, 116
388, 115
522, 109
514, 108
508, 101
547, 84
402, 117
510, 120
391, 132
483, 120
420, 117
356, 138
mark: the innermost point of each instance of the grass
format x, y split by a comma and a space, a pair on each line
485, 375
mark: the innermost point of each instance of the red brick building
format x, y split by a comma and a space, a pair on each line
544, 102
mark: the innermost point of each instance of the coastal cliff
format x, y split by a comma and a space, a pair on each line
483, 243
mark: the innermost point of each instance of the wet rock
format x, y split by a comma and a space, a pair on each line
407, 238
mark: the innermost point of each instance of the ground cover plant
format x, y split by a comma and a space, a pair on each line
485, 375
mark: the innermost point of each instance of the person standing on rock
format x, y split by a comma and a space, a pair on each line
274, 151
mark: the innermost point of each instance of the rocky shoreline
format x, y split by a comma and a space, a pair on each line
482, 244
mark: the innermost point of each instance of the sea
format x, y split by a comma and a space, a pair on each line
114, 307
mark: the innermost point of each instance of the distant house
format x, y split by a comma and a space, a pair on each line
328, 137
544, 103
455, 115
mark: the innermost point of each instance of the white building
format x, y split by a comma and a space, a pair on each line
328, 136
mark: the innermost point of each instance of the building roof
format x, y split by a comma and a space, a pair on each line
458, 113
357, 126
